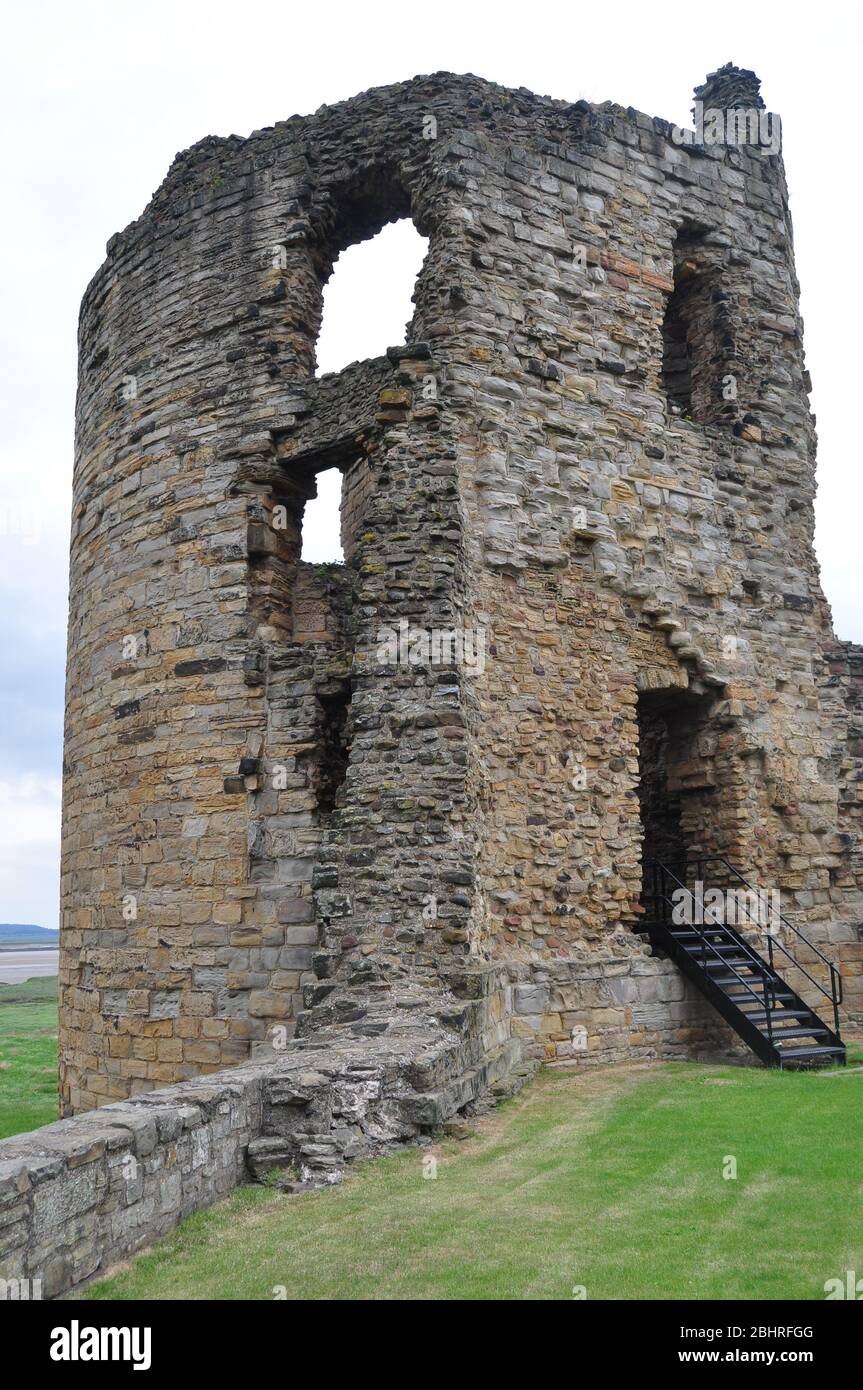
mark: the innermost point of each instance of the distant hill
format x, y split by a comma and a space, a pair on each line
26, 934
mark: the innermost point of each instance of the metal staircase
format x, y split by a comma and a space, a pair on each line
741, 984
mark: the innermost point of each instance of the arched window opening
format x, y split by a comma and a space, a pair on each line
321, 541
368, 299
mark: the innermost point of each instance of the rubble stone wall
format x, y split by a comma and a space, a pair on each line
81, 1194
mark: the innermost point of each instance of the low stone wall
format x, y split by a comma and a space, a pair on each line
597, 1011
81, 1194
84, 1193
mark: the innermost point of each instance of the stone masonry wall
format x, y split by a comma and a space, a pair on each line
370, 835
274, 818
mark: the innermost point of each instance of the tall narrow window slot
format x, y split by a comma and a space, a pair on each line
698, 371
676, 368
334, 746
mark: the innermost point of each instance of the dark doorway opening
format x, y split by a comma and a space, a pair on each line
677, 802
659, 806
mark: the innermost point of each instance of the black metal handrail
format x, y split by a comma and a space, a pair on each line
763, 1000
834, 994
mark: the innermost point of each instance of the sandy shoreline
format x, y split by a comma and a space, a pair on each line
26, 961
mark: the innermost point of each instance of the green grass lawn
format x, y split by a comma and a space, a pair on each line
610, 1180
28, 1054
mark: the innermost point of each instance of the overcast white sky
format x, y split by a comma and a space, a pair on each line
97, 98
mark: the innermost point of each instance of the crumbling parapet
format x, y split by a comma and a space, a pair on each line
85, 1193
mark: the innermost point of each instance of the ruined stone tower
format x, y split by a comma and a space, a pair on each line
579, 623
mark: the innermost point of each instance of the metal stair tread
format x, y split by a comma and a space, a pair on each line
804, 1032
818, 1050
755, 1014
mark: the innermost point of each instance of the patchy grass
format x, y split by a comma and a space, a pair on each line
611, 1180
28, 1054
